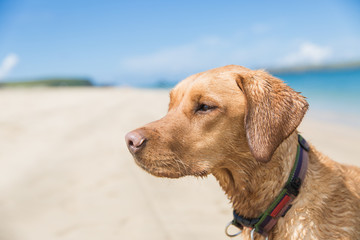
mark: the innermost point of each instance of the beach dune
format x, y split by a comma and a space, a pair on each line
66, 172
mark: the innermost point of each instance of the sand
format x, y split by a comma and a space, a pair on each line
66, 173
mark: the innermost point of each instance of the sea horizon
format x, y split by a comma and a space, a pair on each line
333, 94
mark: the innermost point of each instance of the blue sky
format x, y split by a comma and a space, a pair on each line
130, 42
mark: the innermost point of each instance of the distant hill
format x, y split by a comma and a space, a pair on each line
49, 82
312, 68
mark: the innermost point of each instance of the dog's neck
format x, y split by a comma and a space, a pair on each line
252, 186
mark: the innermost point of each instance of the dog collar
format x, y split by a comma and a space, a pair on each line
282, 203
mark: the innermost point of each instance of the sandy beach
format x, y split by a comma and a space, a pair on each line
66, 172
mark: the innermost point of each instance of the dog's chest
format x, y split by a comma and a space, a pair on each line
298, 227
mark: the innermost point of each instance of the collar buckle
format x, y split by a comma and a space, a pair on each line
293, 186
241, 221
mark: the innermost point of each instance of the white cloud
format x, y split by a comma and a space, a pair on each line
175, 60
180, 61
307, 54
260, 28
9, 62
168, 60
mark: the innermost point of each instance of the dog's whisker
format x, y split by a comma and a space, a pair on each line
241, 126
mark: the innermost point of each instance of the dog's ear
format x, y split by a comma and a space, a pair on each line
273, 112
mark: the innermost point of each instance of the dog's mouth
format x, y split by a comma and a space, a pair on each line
163, 168
170, 168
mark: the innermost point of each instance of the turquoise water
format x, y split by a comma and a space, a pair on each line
333, 95
330, 90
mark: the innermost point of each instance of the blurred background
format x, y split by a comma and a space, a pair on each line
75, 76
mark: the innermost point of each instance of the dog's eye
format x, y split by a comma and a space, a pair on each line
204, 108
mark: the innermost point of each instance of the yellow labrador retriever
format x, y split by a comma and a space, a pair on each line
240, 125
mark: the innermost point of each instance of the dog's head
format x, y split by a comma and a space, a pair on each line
213, 115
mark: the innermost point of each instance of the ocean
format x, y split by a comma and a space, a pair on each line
333, 95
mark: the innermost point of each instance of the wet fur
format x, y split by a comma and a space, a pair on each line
248, 142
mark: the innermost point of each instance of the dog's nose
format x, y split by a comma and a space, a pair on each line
135, 141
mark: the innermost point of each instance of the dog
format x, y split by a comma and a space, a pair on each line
241, 126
